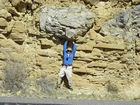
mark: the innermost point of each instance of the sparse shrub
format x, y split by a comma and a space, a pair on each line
14, 75
16, 79
46, 84
112, 87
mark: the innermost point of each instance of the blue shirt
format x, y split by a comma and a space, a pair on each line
68, 60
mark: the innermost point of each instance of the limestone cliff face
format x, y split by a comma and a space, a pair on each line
100, 58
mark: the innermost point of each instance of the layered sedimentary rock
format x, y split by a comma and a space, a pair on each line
99, 57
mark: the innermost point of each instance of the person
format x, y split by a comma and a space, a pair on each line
68, 56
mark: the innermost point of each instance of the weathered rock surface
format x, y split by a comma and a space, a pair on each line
125, 25
66, 21
31, 55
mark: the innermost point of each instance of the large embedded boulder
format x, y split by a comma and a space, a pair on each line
66, 21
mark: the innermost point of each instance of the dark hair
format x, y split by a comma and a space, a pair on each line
69, 51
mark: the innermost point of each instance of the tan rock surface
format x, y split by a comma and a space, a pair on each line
98, 58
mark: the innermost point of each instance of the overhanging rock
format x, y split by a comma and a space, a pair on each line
67, 22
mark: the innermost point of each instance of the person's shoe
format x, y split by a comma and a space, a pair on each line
57, 86
71, 88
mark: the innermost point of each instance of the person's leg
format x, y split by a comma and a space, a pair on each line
68, 72
60, 75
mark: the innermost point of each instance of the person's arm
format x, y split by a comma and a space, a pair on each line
64, 51
74, 48
65, 46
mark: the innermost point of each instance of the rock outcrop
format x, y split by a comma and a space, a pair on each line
68, 22
101, 59
125, 25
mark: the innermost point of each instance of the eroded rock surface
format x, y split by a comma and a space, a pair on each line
125, 25
66, 21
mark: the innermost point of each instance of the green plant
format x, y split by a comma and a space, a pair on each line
112, 87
